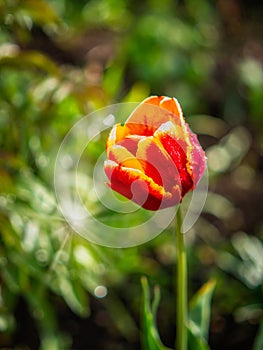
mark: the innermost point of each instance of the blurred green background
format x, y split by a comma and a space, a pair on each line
59, 61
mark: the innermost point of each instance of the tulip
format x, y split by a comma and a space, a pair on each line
154, 159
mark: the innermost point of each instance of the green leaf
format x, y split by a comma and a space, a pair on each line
199, 314
150, 337
195, 342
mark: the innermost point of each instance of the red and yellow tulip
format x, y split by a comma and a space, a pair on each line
154, 159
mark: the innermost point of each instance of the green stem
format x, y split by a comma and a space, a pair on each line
181, 280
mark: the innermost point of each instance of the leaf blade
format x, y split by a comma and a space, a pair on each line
150, 335
199, 313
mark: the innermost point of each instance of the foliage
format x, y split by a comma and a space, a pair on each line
198, 322
199, 317
151, 338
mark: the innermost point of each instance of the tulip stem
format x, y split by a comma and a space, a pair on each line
181, 281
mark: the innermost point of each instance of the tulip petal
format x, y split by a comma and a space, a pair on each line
171, 137
190, 146
123, 157
172, 105
120, 132
177, 132
157, 163
197, 158
131, 143
156, 110
135, 185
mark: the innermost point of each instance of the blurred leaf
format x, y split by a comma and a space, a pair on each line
124, 322
40, 11
138, 92
11, 279
75, 296
7, 321
6, 184
29, 60
150, 334
113, 78
208, 125
199, 313
251, 73
110, 13
54, 342
219, 206
248, 265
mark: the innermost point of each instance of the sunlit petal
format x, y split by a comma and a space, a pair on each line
155, 111
123, 157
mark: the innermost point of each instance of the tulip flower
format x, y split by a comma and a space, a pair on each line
154, 158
